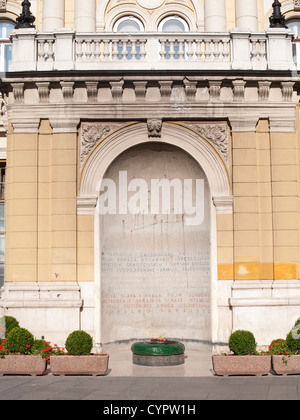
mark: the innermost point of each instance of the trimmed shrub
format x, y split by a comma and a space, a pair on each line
242, 343
79, 343
19, 340
10, 323
293, 340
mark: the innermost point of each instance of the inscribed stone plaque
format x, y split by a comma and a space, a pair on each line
155, 267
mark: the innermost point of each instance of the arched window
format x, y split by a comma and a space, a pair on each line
128, 24
6, 29
173, 24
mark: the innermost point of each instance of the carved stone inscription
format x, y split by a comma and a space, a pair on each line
155, 269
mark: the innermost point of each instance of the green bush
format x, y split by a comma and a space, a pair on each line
242, 343
10, 323
19, 340
293, 340
278, 346
79, 343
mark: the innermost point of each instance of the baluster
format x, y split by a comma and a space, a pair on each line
124, 51
162, 51
199, 49
226, 50
143, 50
51, 50
207, 52
79, 52
181, 50
41, 50
216, 52
254, 53
172, 50
88, 50
189, 48
115, 51
97, 52
133, 50
106, 49
263, 50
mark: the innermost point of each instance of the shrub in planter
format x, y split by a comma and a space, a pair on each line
79, 343
287, 362
19, 340
242, 342
18, 357
245, 360
293, 340
79, 360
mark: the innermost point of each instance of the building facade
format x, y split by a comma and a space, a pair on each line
150, 153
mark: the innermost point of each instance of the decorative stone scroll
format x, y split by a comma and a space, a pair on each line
3, 5
297, 4
216, 134
91, 134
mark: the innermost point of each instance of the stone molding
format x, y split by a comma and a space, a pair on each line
40, 295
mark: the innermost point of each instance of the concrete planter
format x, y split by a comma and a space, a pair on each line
93, 364
286, 365
241, 365
19, 364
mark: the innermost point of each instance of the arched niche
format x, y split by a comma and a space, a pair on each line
197, 154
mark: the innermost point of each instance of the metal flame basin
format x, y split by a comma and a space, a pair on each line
157, 348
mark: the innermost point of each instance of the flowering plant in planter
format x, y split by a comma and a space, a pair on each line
286, 360
17, 356
243, 359
45, 349
79, 360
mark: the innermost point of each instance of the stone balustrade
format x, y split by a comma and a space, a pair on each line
67, 50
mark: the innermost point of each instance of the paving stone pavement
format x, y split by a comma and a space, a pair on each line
194, 381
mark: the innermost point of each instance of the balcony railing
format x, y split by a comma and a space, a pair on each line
66, 50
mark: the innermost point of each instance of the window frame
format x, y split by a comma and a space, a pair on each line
4, 43
173, 17
132, 18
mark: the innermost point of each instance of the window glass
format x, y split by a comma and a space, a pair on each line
6, 29
294, 26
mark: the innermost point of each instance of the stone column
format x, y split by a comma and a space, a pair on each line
246, 14
53, 15
85, 16
215, 16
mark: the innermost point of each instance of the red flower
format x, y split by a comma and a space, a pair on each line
28, 345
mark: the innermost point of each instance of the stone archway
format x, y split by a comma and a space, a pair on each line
211, 166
